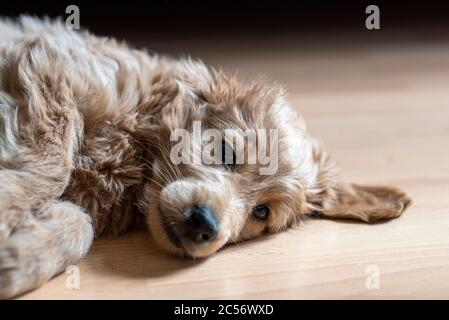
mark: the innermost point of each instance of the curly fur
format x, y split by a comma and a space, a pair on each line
84, 134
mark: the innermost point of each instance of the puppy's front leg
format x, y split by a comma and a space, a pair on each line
43, 245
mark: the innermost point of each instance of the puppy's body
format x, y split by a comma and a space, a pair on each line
85, 94
85, 128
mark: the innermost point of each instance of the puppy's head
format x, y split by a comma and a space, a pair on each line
231, 161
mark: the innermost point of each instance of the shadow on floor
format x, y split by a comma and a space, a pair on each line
135, 255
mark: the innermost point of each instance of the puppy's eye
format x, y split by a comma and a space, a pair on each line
228, 158
261, 212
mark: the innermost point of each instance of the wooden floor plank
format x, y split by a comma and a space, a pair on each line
384, 113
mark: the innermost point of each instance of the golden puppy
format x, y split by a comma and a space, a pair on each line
88, 146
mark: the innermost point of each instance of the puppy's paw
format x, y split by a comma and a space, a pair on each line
11, 274
20, 269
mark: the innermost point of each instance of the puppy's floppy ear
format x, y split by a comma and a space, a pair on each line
366, 203
333, 199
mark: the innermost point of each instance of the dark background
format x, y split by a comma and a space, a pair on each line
206, 18
202, 28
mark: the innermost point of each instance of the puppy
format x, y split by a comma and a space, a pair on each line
86, 148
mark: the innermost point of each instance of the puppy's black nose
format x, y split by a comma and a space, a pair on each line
202, 225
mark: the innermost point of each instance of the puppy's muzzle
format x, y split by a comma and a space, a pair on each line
202, 225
